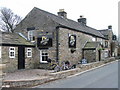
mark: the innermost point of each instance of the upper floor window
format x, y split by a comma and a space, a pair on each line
106, 44
29, 52
93, 39
30, 36
12, 52
114, 37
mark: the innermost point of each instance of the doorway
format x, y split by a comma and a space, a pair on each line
21, 57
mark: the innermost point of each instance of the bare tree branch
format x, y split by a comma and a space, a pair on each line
8, 20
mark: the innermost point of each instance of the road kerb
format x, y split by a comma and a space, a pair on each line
91, 69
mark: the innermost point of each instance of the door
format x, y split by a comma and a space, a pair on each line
99, 54
21, 57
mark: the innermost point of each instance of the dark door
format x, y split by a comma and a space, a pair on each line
99, 53
21, 57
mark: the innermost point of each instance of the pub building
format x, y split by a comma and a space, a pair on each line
60, 39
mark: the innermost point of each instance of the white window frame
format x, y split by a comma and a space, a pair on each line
0, 52
29, 50
106, 44
12, 51
93, 39
43, 51
30, 35
106, 54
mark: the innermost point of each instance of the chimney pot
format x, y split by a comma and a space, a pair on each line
82, 20
81, 16
62, 13
61, 10
110, 27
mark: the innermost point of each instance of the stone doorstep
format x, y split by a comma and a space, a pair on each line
52, 76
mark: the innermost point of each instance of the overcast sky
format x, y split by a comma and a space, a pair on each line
99, 13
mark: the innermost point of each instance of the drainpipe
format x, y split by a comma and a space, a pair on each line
57, 44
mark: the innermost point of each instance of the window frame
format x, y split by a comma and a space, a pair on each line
106, 44
93, 39
11, 51
29, 51
30, 35
41, 56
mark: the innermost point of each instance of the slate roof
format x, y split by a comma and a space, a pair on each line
64, 22
13, 39
71, 24
91, 45
104, 32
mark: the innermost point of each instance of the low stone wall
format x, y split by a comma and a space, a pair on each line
2, 74
57, 75
80, 68
26, 83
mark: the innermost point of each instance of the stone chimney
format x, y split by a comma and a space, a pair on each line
109, 27
82, 20
62, 13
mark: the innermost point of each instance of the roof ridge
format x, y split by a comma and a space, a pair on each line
69, 23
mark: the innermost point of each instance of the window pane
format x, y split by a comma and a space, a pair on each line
12, 52
29, 52
29, 49
46, 54
43, 58
30, 35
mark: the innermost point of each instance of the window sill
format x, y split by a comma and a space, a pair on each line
12, 57
43, 62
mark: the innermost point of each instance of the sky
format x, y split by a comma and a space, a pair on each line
99, 13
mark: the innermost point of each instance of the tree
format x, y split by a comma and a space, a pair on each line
8, 20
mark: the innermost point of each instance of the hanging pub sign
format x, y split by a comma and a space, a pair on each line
44, 40
72, 41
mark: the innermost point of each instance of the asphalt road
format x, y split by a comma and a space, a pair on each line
104, 77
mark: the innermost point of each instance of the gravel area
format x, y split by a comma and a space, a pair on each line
26, 75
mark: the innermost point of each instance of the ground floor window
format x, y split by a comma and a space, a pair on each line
43, 56
12, 52
106, 54
29, 52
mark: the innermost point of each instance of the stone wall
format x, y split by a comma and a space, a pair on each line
30, 61
65, 51
51, 53
12, 63
90, 55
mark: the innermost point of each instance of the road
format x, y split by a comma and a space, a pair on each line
104, 77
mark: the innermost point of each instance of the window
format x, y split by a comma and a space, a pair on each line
30, 35
0, 52
43, 56
106, 54
106, 44
29, 52
12, 52
93, 39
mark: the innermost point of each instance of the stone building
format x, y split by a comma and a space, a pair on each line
16, 52
58, 38
111, 43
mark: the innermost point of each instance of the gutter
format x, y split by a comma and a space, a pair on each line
15, 45
81, 31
